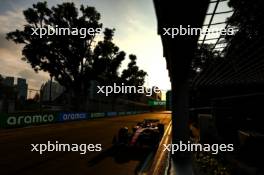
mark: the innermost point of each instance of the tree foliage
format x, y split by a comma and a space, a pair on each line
248, 17
204, 57
72, 60
132, 75
248, 20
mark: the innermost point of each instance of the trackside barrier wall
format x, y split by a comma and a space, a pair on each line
97, 114
2, 120
121, 113
71, 116
27, 119
110, 114
16, 120
161, 161
128, 113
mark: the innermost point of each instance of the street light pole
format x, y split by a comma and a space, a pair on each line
50, 97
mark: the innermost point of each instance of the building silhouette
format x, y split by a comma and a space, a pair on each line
50, 90
9, 81
22, 88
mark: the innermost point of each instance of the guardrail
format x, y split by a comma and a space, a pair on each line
16, 120
158, 164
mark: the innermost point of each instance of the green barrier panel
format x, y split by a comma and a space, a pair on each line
2, 119
128, 113
156, 103
121, 113
27, 119
98, 114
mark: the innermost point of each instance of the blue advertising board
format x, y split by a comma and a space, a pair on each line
70, 116
110, 114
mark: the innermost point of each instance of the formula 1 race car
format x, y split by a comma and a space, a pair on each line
145, 134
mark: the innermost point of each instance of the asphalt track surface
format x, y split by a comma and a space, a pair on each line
16, 157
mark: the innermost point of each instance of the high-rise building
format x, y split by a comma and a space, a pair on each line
22, 88
9, 81
54, 91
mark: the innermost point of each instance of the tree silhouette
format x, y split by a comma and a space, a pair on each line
248, 17
132, 75
67, 58
248, 20
72, 60
204, 57
107, 59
